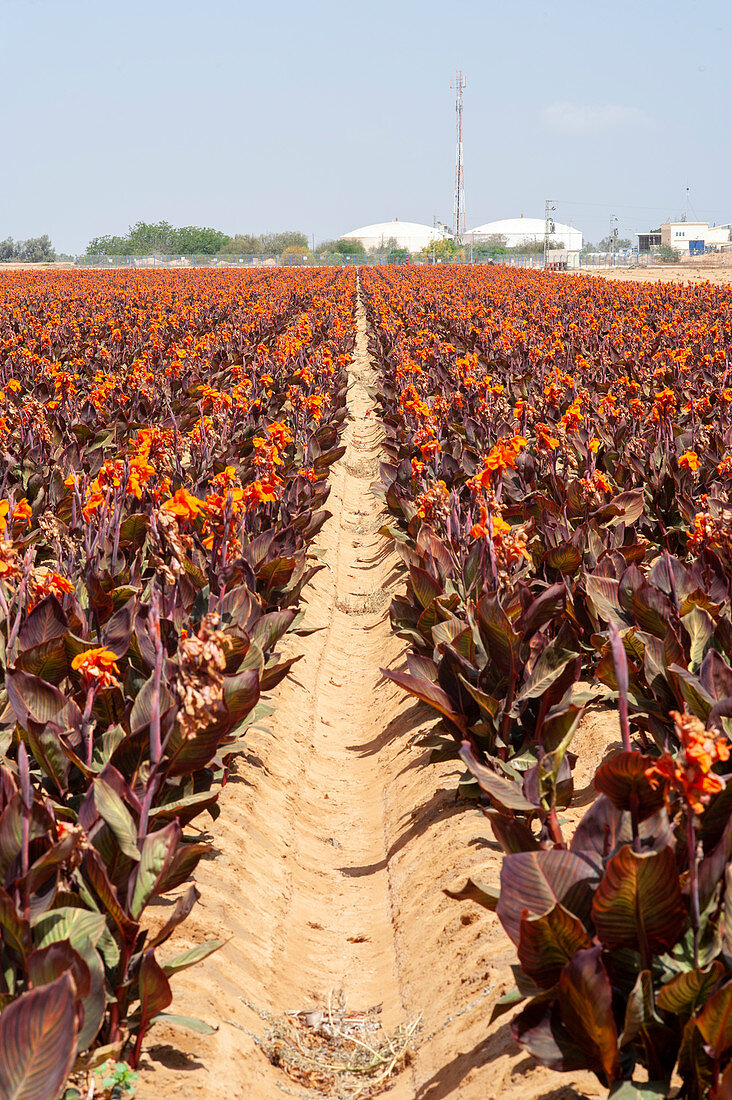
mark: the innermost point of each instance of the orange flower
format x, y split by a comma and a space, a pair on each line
44, 582
22, 513
184, 505
92, 504
280, 434
499, 458
690, 773
97, 667
689, 460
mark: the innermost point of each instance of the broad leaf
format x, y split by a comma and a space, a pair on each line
548, 942
192, 956
686, 991
536, 881
473, 890
639, 900
505, 792
38, 1042
157, 852
153, 989
623, 779
190, 1022
714, 1021
429, 693
113, 810
585, 1004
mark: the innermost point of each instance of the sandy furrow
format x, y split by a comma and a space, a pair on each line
300, 883
334, 844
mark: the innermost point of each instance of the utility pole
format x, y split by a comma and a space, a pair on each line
550, 206
613, 236
458, 215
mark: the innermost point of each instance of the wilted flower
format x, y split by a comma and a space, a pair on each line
199, 685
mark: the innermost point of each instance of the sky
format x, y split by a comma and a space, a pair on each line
331, 115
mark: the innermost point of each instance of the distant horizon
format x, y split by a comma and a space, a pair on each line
256, 121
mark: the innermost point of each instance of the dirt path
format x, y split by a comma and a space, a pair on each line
333, 847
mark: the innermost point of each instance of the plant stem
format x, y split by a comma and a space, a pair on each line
693, 882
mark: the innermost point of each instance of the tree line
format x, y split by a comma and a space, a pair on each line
35, 250
161, 238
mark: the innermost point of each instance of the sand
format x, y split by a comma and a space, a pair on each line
692, 271
334, 845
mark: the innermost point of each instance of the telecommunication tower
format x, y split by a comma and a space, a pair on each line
549, 207
458, 214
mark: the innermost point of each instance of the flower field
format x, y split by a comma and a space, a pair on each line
558, 472
556, 483
165, 450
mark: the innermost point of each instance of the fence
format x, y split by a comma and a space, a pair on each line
571, 260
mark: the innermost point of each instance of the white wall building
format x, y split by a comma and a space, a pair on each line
518, 231
410, 235
678, 234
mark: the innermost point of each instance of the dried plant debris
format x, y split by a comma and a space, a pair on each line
338, 1052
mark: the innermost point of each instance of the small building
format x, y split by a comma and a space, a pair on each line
719, 235
688, 237
649, 240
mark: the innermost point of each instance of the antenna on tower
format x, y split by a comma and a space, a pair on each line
458, 213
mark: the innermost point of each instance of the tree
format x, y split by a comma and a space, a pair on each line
107, 246
341, 248
149, 239
445, 249
36, 250
530, 248
606, 244
242, 245
385, 248
275, 243
193, 240
294, 254
494, 245
666, 254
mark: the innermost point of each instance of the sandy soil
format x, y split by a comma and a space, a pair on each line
333, 847
690, 272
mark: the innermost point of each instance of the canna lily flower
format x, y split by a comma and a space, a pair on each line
280, 434
22, 513
183, 505
97, 667
690, 773
44, 582
689, 460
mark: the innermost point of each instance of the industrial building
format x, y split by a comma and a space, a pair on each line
410, 235
686, 236
518, 231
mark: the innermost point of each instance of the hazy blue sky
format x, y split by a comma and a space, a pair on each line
326, 116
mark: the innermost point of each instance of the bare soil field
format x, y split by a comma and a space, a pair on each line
333, 849
690, 272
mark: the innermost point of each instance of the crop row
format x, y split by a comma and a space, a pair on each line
165, 445
559, 459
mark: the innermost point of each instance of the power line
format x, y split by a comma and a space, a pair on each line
628, 206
